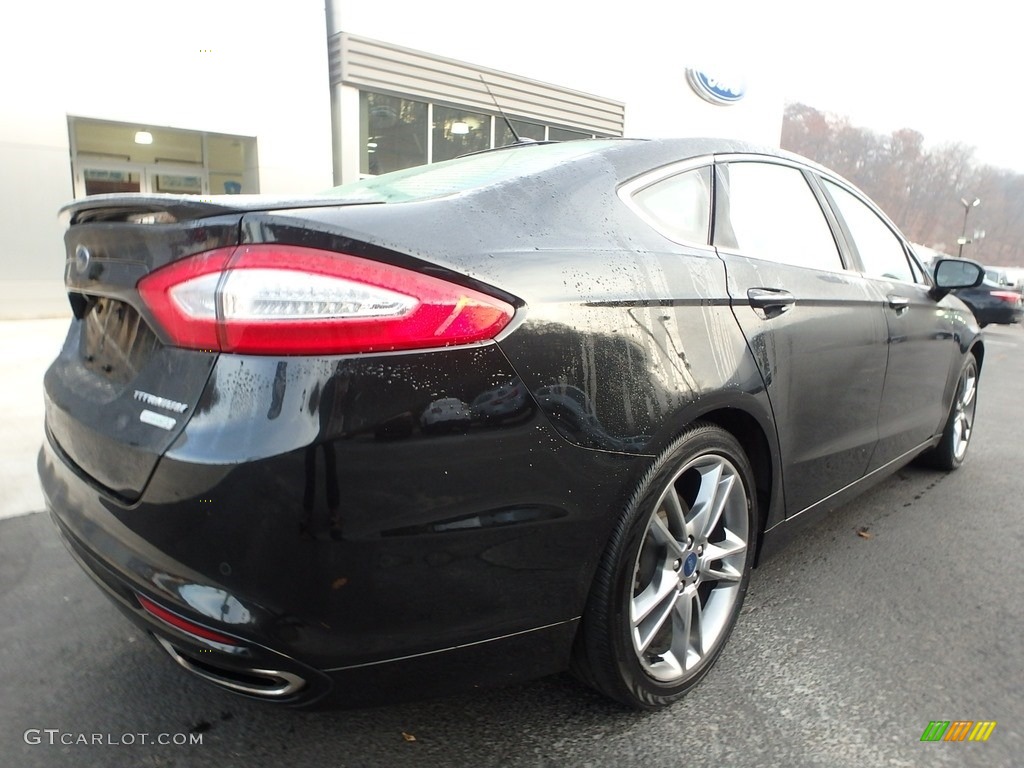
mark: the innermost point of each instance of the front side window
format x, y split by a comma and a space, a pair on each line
680, 206
881, 252
768, 211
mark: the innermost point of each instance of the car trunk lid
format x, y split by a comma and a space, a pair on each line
117, 396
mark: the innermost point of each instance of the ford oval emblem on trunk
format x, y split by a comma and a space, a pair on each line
717, 90
82, 257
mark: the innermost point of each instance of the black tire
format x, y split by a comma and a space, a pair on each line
637, 643
951, 451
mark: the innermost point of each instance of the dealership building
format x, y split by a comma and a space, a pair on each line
237, 97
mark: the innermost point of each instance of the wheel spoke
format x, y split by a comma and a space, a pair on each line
963, 418
964, 426
703, 506
731, 544
716, 485
657, 614
661, 533
673, 507
698, 640
724, 572
725, 551
655, 594
685, 625
723, 492
969, 388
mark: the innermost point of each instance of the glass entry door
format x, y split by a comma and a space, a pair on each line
183, 180
98, 178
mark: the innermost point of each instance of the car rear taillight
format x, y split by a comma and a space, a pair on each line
292, 300
1008, 296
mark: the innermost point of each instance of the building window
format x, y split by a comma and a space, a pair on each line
393, 133
564, 134
524, 130
227, 158
125, 157
458, 132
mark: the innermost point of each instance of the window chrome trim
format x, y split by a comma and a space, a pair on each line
628, 190
638, 183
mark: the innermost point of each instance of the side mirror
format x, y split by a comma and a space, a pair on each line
957, 273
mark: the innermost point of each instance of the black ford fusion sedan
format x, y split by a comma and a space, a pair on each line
527, 410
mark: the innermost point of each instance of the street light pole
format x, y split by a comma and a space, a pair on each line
963, 232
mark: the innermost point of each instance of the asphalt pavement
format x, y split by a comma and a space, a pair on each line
901, 608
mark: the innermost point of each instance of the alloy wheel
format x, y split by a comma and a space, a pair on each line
689, 569
963, 415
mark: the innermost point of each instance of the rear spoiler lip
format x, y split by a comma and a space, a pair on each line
118, 206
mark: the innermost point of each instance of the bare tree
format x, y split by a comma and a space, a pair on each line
920, 188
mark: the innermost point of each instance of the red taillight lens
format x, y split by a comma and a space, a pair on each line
1008, 296
183, 624
291, 300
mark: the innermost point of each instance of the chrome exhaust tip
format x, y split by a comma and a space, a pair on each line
266, 683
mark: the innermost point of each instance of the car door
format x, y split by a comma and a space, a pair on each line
815, 328
922, 354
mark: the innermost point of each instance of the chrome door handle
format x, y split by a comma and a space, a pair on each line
772, 300
899, 303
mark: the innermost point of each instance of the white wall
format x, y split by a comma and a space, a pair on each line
633, 52
248, 67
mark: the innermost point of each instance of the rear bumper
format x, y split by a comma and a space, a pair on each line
242, 667
372, 566
257, 672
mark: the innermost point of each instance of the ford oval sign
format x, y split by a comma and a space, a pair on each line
717, 90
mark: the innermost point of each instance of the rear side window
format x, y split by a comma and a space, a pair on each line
768, 211
881, 252
679, 207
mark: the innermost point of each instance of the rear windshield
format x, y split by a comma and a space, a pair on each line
463, 173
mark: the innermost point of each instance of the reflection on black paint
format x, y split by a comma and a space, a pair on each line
277, 392
491, 519
331, 405
611, 418
332, 490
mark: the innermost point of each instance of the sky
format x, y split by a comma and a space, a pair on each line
951, 72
